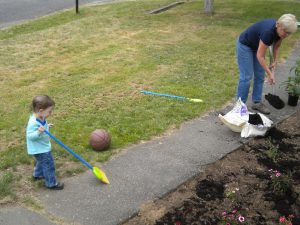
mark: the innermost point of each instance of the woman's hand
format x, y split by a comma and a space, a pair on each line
271, 79
273, 65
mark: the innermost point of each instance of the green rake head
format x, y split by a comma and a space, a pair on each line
100, 175
194, 100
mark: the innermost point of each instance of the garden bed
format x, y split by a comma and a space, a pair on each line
259, 183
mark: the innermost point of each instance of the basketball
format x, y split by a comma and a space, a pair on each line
100, 140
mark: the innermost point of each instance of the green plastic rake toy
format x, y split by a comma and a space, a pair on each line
172, 96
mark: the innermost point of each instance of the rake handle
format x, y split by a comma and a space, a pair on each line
68, 149
164, 95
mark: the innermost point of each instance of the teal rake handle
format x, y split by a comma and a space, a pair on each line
164, 95
68, 149
172, 96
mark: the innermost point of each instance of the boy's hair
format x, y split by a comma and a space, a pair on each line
288, 22
41, 102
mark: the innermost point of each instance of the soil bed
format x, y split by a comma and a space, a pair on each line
239, 185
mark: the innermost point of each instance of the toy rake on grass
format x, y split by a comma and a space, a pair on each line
172, 96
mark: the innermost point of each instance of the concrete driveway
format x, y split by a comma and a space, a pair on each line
17, 11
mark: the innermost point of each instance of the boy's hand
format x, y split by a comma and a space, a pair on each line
41, 129
51, 125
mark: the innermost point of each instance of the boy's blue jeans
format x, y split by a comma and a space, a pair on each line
249, 67
45, 167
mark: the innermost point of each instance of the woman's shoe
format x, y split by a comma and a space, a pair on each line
260, 107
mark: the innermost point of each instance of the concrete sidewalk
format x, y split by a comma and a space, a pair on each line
144, 172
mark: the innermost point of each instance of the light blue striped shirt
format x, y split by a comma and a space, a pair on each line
37, 143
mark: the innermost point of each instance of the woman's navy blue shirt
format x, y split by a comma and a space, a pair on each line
264, 30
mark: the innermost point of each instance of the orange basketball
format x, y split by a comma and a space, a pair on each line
100, 140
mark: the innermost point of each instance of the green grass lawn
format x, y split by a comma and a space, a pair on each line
95, 64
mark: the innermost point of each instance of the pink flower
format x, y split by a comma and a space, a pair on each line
224, 213
227, 223
278, 174
177, 222
282, 219
234, 211
241, 218
290, 224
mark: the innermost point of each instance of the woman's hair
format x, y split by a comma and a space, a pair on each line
288, 22
41, 102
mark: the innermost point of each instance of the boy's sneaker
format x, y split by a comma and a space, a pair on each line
261, 108
58, 186
37, 178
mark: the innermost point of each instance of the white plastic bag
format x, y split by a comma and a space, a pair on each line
237, 117
250, 130
237, 121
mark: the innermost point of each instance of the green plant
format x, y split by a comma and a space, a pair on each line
279, 182
292, 84
272, 151
232, 194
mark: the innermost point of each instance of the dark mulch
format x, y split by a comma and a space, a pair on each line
255, 119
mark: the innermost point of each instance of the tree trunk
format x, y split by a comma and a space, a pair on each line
209, 7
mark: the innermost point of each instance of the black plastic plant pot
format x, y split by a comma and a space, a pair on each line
293, 100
